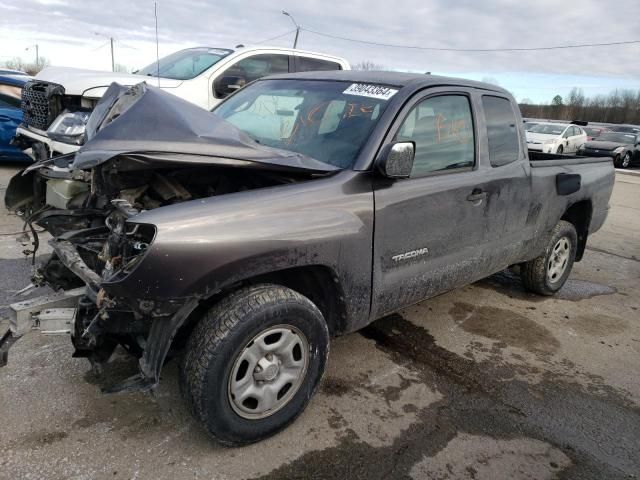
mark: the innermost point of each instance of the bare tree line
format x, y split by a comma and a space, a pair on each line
367, 65
17, 63
620, 106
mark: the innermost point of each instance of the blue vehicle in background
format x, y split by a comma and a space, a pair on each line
11, 83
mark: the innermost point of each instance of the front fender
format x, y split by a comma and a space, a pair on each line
203, 246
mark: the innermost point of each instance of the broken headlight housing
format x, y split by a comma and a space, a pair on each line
69, 127
126, 246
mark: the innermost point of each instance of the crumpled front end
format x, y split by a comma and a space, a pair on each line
95, 244
89, 202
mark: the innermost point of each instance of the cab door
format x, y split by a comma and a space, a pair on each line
579, 137
566, 140
430, 229
573, 139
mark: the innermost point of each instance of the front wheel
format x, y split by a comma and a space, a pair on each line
547, 273
253, 362
560, 150
626, 160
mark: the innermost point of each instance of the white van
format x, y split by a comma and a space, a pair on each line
57, 103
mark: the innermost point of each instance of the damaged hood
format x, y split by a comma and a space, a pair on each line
146, 122
93, 83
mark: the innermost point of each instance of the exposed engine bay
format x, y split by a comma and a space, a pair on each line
91, 216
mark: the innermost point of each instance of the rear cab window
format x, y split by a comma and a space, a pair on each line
308, 64
502, 131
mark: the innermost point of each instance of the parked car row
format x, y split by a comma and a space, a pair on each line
46, 116
620, 142
58, 102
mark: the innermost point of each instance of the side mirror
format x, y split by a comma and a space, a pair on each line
396, 160
227, 85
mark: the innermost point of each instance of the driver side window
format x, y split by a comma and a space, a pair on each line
249, 69
442, 129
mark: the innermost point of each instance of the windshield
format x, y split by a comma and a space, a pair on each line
186, 64
325, 120
548, 128
622, 138
529, 125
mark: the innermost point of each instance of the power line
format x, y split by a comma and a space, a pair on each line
470, 50
100, 46
276, 37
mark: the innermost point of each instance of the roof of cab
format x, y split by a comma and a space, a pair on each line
393, 79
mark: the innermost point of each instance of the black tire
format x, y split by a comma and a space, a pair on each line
560, 150
534, 273
222, 334
625, 162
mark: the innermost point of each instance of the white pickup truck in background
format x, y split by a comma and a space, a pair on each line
57, 103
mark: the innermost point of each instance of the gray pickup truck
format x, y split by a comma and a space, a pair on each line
304, 207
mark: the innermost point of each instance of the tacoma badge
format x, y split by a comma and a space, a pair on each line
411, 254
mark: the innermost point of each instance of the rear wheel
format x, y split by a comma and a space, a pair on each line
253, 362
547, 273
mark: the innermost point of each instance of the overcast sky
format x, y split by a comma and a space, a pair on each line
64, 31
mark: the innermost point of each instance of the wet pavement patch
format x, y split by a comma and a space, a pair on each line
334, 386
505, 326
508, 282
576, 290
597, 325
598, 431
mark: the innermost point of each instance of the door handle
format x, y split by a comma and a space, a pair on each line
476, 196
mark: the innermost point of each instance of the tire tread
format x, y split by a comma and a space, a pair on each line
214, 328
533, 273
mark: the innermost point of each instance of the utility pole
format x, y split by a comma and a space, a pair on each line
113, 62
37, 54
295, 40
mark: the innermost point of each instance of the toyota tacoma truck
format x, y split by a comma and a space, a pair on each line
305, 206
57, 103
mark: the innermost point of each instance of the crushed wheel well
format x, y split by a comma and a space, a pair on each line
318, 283
579, 214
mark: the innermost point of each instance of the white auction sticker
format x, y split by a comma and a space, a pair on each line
371, 91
